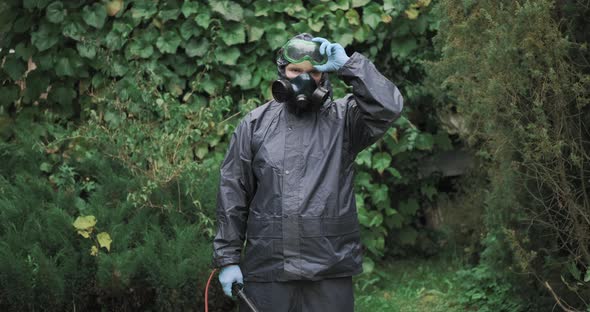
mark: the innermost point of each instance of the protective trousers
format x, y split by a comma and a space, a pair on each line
328, 295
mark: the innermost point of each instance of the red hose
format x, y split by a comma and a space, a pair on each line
207, 290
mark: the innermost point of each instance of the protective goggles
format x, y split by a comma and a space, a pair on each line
298, 50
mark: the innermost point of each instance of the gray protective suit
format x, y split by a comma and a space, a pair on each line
286, 185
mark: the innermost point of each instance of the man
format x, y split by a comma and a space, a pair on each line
286, 183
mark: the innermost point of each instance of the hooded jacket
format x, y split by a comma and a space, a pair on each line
286, 186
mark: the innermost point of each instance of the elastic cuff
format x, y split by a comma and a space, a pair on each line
348, 63
221, 262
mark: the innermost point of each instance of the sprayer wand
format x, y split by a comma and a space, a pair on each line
238, 291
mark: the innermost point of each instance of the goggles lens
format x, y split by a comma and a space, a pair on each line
297, 51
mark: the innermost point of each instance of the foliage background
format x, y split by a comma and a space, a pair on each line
122, 110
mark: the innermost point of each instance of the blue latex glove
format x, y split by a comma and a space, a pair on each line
228, 275
336, 55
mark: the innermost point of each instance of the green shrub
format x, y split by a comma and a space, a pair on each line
122, 110
512, 71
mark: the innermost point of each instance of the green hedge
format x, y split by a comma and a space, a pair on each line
121, 110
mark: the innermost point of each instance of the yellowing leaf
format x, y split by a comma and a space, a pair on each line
104, 239
423, 3
412, 13
84, 233
93, 251
84, 223
386, 18
353, 17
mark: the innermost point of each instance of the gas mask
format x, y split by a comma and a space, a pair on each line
301, 94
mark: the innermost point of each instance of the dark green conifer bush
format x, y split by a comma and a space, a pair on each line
517, 72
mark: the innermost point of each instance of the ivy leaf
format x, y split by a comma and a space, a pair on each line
144, 9
364, 157
363, 216
372, 15
388, 5
189, 29
169, 14
95, 15
45, 37
84, 223
113, 7
423, 3
276, 36
203, 19
254, 33
139, 48
293, 8
75, 30
368, 265
21, 25
202, 150
14, 67
380, 194
338, 5
377, 220
230, 11
361, 33
168, 42
64, 67
360, 202
104, 240
344, 39
261, 8
233, 34
353, 17
189, 8
404, 47
227, 56
363, 179
86, 50
197, 47
85, 234
68, 63
412, 13
118, 36
381, 161
390, 211
359, 3
394, 172
243, 78
56, 12
318, 14
211, 84
375, 241
424, 141
316, 24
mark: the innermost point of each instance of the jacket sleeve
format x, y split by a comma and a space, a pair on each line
236, 188
375, 103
